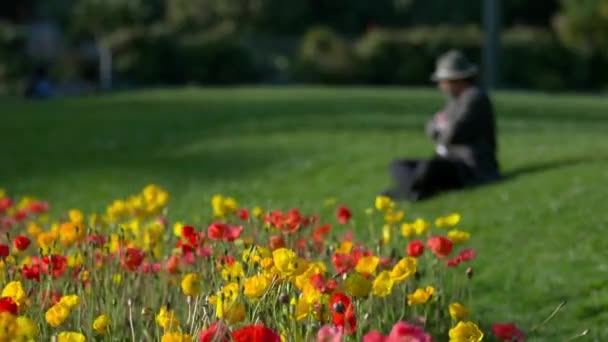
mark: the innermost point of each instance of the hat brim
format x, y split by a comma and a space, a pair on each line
451, 75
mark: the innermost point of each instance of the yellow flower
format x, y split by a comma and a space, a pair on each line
383, 284
367, 265
257, 212
421, 226
117, 278
357, 286
70, 301
70, 336
331, 201
420, 296
101, 324
15, 291
233, 272
408, 230
230, 204
458, 236
404, 269
465, 332
75, 260
223, 206
255, 287
345, 247
8, 326
230, 292
234, 313
167, 319
34, 229
57, 314
303, 279
287, 262
176, 337
458, 312
76, 216
254, 255
394, 217
302, 308
447, 221
27, 330
386, 234
46, 239
384, 203
70, 233
177, 229
191, 285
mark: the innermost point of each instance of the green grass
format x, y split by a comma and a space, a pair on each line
540, 233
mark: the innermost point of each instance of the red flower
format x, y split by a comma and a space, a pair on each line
172, 264
467, 255
20, 215
318, 235
5, 203
507, 332
96, 240
415, 248
374, 336
292, 220
453, 262
50, 298
276, 242
343, 214
5, 250
187, 231
440, 246
7, 304
133, 258
464, 256
343, 263
318, 281
222, 231
217, 332
255, 333
405, 332
55, 265
343, 312
21, 242
274, 218
243, 214
31, 273
38, 207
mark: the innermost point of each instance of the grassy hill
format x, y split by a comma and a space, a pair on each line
540, 233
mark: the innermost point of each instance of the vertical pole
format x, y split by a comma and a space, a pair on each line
105, 66
491, 46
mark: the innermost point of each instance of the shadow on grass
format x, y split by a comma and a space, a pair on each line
549, 165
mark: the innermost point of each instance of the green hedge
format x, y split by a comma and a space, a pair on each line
530, 58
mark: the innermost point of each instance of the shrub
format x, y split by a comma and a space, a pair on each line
323, 56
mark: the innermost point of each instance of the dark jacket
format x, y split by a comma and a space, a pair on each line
469, 135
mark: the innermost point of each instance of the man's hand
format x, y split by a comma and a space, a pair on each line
441, 121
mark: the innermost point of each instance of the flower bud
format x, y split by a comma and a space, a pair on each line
470, 272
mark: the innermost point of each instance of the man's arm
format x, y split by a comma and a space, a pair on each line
463, 126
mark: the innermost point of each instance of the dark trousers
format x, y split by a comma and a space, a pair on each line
419, 179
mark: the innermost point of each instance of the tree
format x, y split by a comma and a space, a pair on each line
583, 24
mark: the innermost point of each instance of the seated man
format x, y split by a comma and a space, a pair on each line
464, 133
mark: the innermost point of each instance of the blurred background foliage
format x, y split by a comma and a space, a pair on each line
546, 45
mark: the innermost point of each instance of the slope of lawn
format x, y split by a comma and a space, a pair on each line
540, 233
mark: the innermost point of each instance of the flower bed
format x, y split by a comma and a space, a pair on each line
246, 275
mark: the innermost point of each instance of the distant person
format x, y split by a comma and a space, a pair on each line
39, 85
464, 133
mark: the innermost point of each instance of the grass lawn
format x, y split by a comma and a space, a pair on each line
540, 233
